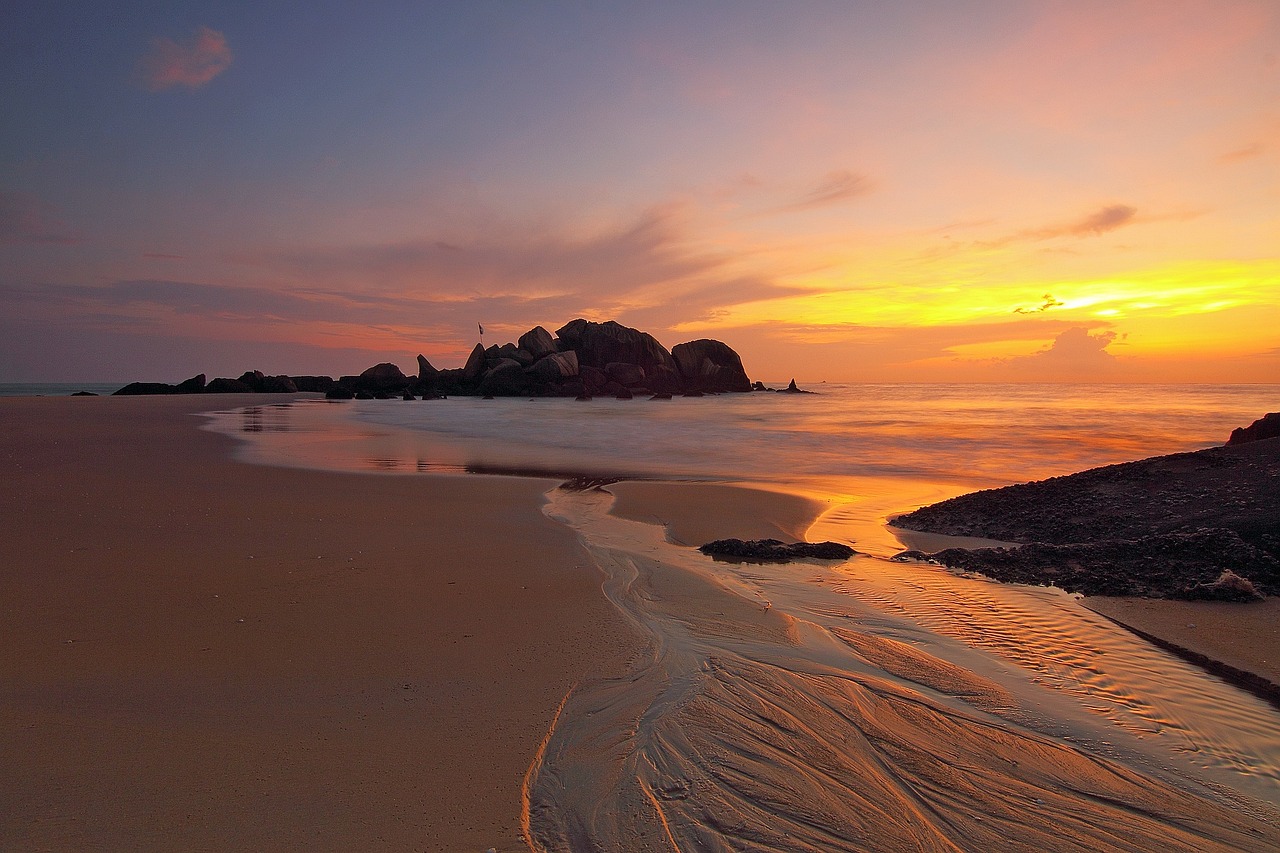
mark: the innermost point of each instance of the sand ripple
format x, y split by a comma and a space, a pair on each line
762, 720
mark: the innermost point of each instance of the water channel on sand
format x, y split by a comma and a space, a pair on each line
879, 706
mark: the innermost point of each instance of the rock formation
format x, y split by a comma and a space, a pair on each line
583, 359
1169, 526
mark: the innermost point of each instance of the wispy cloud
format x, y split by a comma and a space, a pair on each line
192, 64
26, 220
835, 187
1095, 224
1109, 218
1238, 155
642, 269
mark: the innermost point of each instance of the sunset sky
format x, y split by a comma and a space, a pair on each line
856, 191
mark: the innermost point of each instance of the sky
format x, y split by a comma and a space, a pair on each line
917, 191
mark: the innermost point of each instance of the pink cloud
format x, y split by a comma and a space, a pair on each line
25, 219
169, 64
835, 187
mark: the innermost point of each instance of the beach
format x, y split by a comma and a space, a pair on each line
202, 653
205, 654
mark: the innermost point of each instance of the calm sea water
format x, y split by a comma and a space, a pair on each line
970, 435
56, 389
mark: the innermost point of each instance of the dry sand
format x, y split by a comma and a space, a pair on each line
203, 654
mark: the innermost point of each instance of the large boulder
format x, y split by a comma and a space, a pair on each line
626, 375
319, 384
664, 380
599, 344
277, 385
1267, 426
594, 380
503, 379
537, 342
709, 365
137, 389
475, 366
556, 366
383, 377
222, 385
253, 378
194, 385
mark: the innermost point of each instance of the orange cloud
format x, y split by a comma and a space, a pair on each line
169, 64
1248, 152
1074, 351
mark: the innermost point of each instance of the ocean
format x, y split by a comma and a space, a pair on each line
57, 389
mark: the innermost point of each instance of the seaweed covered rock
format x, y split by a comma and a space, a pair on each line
775, 550
1213, 564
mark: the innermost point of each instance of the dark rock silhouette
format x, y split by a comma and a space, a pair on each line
625, 374
427, 374
227, 386
707, 365
1267, 426
792, 388
475, 366
1168, 526
537, 342
584, 358
319, 384
775, 550
134, 389
506, 378
383, 377
194, 385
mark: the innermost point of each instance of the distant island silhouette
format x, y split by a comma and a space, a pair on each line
584, 359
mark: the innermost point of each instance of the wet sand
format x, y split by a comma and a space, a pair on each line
768, 715
1243, 636
204, 654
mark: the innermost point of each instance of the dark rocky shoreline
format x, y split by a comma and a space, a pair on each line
1201, 525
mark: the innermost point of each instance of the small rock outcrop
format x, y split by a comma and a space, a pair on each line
775, 550
792, 388
1165, 527
1267, 426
